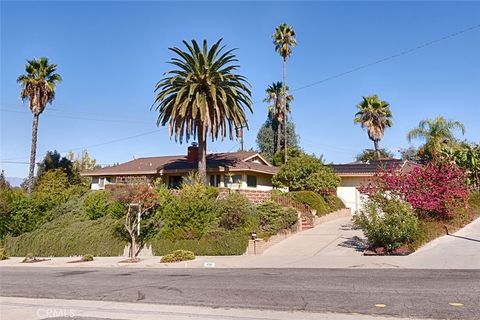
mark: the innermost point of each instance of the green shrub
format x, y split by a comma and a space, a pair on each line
87, 257
177, 256
50, 190
18, 212
306, 172
313, 200
97, 204
334, 202
388, 223
322, 204
215, 243
233, 211
272, 218
191, 214
68, 235
3, 254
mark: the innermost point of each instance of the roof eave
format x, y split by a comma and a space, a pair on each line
96, 174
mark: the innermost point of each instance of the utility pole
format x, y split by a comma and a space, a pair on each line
240, 136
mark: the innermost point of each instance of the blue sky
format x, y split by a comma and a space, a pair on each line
111, 54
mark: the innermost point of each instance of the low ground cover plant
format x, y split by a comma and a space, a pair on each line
3, 254
178, 256
87, 258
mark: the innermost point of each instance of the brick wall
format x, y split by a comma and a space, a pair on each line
255, 196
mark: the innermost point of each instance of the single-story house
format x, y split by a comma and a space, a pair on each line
354, 175
235, 170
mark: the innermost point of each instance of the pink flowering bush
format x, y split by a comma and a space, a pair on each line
435, 189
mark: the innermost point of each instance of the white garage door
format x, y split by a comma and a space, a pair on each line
350, 196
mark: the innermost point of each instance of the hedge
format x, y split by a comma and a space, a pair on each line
69, 235
218, 244
322, 204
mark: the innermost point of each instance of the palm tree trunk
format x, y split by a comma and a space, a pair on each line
377, 149
33, 152
202, 154
278, 134
284, 97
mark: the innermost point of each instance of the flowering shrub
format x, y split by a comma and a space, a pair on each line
436, 188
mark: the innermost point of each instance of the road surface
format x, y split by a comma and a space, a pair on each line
438, 294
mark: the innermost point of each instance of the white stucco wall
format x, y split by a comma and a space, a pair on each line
264, 182
348, 192
96, 185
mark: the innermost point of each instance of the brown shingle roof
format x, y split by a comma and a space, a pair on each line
369, 168
216, 162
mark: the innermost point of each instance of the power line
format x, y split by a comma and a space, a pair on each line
82, 118
393, 56
94, 145
402, 53
361, 67
15, 162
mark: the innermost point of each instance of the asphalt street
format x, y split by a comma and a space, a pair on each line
438, 294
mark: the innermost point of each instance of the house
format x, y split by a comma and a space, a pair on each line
234, 170
354, 175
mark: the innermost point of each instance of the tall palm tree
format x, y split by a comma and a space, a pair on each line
203, 95
437, 133
275, 109
38, 86
284, 41
375, 115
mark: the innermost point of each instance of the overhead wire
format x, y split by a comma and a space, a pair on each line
329, 78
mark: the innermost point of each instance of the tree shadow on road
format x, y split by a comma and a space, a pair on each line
356, 243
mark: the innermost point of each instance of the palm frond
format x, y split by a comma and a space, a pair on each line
205, 92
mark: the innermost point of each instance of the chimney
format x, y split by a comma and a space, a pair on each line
192, 155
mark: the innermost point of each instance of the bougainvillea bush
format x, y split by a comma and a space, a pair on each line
436, 189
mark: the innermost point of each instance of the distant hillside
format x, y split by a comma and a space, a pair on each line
14, 181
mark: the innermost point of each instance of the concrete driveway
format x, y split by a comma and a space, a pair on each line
334, 238
456, 251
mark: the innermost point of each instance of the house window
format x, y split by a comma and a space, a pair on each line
175, 182
252, 181
215, 180
232, 181
101, 182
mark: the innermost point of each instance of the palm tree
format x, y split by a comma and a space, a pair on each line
375, 115
275, 109
284, 40
38, 87
203, 95
437, 133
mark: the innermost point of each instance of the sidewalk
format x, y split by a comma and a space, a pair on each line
331, 245
34, 309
